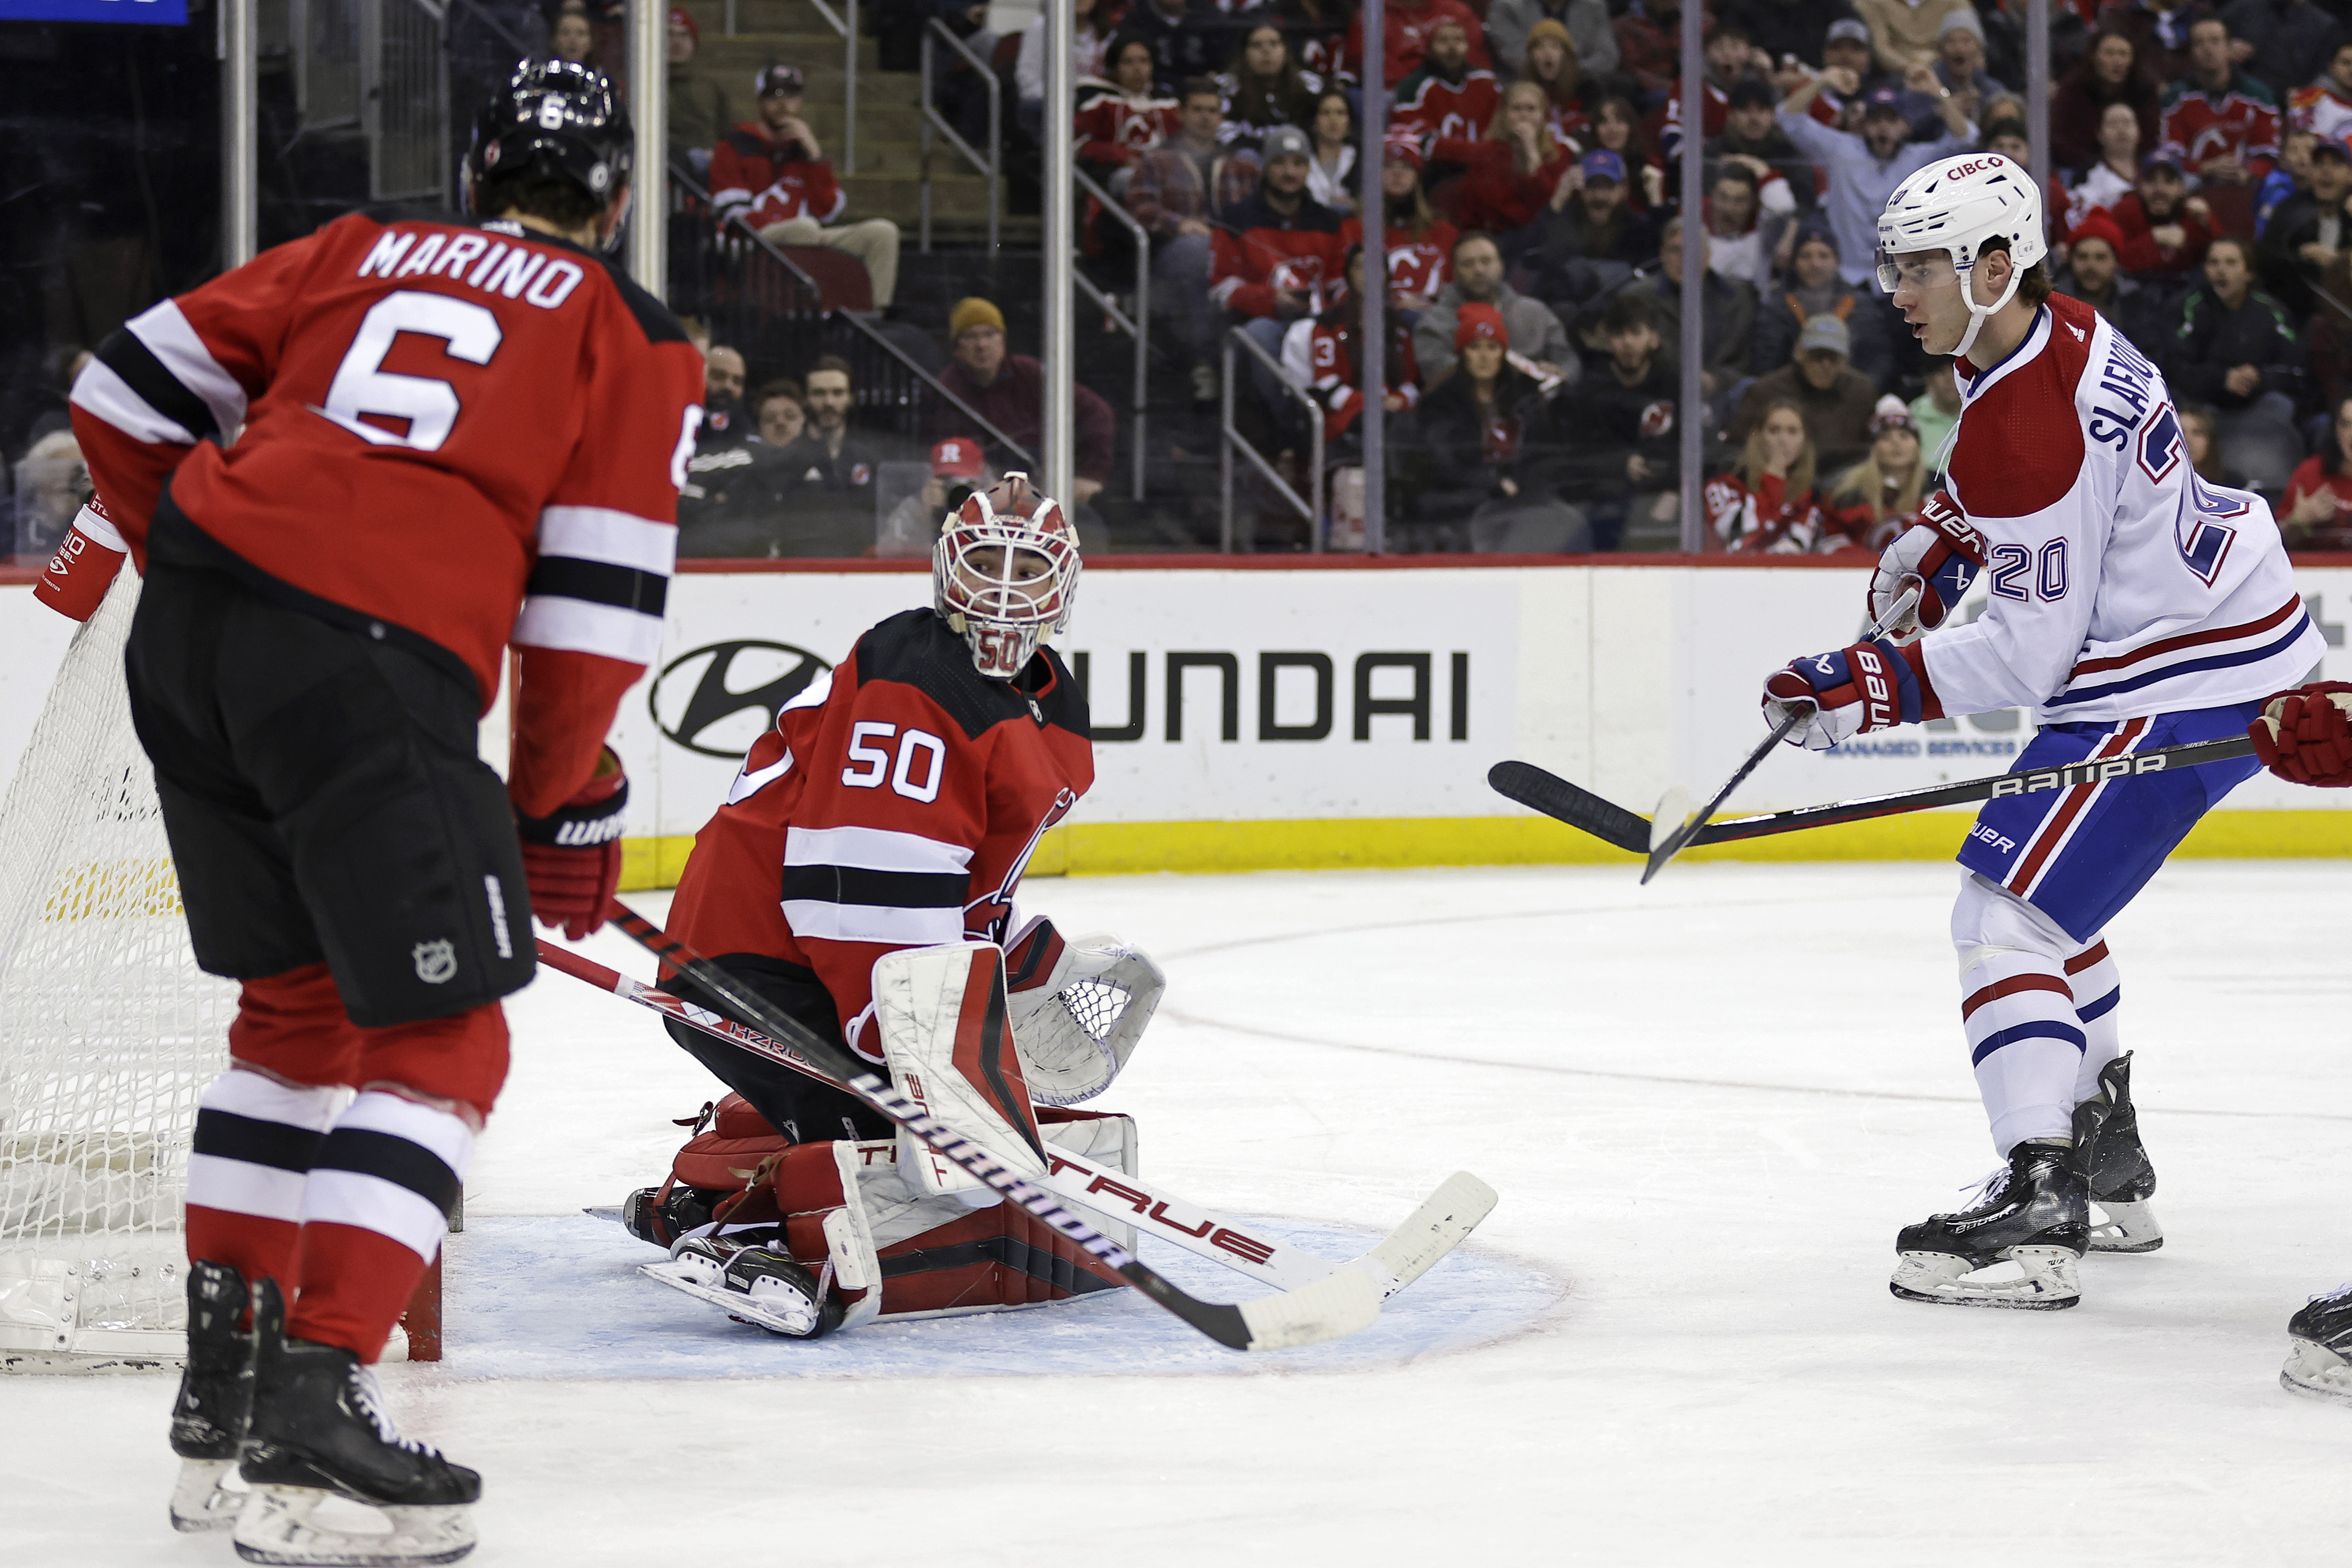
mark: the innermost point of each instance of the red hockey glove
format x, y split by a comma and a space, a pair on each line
571, 856
1870, 686
1940, 553
2304, 736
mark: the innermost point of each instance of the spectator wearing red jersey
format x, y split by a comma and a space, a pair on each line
1275, 260
2317, 511
1570, 96
2220, 123
2165, 229
1408, 29
1420, 244
1508, 178
2109, 75
771, 172
1111, 127
1766, 503
1008, 390
1446, 99
1321, 353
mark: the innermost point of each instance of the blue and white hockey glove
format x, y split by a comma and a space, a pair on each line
1941, 553
1870, 686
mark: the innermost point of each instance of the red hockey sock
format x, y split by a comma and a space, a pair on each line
355, 1284
256, 1248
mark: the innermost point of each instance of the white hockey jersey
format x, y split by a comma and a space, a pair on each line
2121, 584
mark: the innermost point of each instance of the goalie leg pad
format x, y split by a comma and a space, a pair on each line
945, 1037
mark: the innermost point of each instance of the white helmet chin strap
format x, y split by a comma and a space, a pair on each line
1976, 314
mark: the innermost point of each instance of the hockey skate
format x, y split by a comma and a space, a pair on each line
2319, 1348
2106, 1129
761, 1286
2032, 1215
320, 1430
214, 1401
661, 1216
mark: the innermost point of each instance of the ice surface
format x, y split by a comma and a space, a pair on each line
1708, 1105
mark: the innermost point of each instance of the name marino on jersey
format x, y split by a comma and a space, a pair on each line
517, 272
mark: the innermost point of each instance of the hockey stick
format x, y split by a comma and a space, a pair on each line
1330, 1309
1434, 1229
1681, 838
1581, 809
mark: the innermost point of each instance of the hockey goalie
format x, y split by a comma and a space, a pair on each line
860, 877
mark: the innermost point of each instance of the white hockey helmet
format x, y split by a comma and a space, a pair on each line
1005, 573
1959, 205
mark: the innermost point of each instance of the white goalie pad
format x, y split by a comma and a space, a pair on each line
1076, 1030
945, 1038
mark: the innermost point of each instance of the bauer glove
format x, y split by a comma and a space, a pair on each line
1870, 686
1941, 555
2304, 736
571, 856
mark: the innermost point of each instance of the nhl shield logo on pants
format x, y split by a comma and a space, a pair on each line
435, 961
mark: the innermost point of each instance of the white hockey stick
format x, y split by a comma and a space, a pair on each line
1440, 1225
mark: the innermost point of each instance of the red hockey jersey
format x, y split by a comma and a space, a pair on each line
1428, 107
1322, 351
768, 183
423, 423
1407, 30
1493, 194
2242, 123
896, 804
1113, 128
1258, 251
1418, 264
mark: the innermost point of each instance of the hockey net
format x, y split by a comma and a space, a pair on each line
108, 1032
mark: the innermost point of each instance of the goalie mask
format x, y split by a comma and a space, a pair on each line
1959, 206
1005, 573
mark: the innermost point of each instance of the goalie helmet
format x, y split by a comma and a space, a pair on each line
556, 118
1005, 573
1961, 205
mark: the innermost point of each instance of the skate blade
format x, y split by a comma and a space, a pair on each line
2047, 1280
279, 1526
760, 1312
2127, 1228
2315, 1372
202, 1500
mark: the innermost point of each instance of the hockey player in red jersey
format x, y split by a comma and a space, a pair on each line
352, 471
2132, 606
890, 811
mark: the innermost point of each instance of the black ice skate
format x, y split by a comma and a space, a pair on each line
661, 1216
2319, 1348
216, 1399
2106, 1129
2034, 1215
320, 1429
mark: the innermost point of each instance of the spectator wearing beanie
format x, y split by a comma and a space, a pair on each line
1531, 330
2093, 273
1572, 99
1511, 22
1959, 62
1488, 451
698, 108
1008, 390
1836, 400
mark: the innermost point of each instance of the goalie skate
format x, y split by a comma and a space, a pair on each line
214, 1401
2107, 1130
2319, 1348
755, 1285
2016, 1247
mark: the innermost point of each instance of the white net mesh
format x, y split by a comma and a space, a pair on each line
108, 1032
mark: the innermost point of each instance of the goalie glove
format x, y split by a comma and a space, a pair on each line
1870, 686
1941, 555
1077, 1009
2304, 736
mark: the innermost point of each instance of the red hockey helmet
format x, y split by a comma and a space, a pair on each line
1005, 573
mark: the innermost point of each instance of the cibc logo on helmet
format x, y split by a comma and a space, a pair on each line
717, 699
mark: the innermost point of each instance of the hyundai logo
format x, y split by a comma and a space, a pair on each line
718, 699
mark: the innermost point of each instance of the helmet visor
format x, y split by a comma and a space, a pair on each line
1916, 270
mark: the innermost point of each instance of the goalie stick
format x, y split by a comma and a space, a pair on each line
1333, 1307
1440, 1225
1581, 809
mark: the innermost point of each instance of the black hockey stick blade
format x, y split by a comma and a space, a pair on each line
1681, 838
1333, 1307
1537, 789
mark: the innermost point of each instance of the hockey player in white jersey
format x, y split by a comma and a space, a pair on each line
2132, 606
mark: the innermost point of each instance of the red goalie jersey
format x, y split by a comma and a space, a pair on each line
896, 804
423, 423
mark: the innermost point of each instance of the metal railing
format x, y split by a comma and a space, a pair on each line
846, 26
993, 164
1139, 329
682, 179
1228, 438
